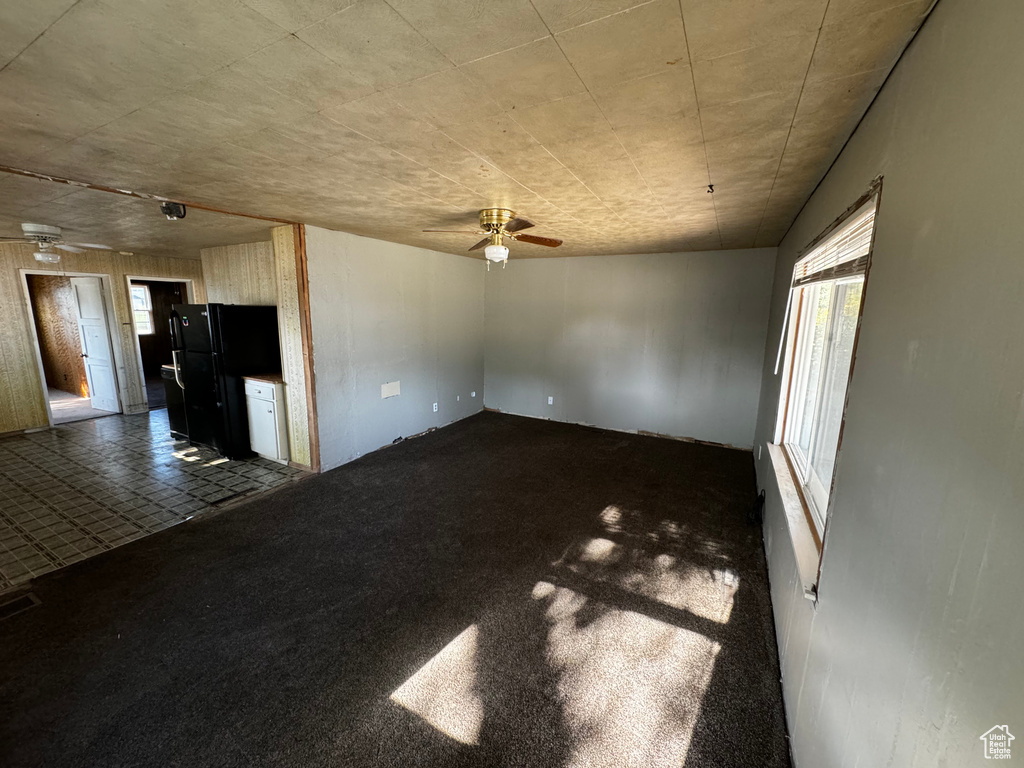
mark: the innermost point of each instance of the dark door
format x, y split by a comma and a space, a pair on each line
155, 346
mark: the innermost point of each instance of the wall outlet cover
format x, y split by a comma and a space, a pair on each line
551, 401
390, 389
472, 394
435, 407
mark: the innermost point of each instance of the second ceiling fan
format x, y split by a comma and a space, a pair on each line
497, 224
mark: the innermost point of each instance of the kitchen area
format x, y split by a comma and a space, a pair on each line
224, 383
209, 368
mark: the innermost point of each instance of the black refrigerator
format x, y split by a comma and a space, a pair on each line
215, 345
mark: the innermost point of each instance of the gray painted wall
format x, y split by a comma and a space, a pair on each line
914, 648
669, 343
383, 312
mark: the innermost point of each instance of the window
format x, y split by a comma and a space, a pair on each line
142, 310
824, 315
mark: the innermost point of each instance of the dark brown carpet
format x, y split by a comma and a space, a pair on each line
501, 592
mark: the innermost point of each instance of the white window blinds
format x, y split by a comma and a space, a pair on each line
842, 253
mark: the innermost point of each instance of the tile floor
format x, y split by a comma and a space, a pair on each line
80, 489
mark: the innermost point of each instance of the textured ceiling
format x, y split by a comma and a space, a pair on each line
122, 223
603, 121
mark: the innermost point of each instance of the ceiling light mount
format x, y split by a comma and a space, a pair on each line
173, 211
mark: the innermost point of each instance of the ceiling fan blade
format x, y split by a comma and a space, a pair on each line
482, 243
70, 248
93, 246
517, 224
548, 241
456, 231
17, 240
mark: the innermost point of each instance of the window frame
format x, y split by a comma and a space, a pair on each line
816, 493
136, 311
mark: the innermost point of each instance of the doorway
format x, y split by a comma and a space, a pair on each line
73, 341
151, 316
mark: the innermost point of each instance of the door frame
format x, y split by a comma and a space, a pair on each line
191, 295
112, 330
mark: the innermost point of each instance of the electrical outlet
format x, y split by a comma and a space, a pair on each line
458, 398
435, 407
472, 394
551, 401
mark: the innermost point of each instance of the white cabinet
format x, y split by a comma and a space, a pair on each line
268, 432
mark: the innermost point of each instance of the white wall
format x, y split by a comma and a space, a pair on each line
669, 343
914, 648
382, 312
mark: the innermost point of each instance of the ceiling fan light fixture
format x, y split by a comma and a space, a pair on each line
47, 257
496, 253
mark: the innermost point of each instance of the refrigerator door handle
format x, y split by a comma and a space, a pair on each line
177, 368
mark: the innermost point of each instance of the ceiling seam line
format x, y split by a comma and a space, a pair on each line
506, 175
602, 18
183, 92
700, 124
571, 172
269, 20
412, 160
330, 15
237, 61
792, 122
888, 75
615, 133
36, 38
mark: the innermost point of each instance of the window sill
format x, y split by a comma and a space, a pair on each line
806, 545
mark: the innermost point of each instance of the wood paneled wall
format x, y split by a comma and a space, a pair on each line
60, 345
267, 274
293, 364
22, 398
240, 274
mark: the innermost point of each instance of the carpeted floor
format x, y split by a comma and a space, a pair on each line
501, 592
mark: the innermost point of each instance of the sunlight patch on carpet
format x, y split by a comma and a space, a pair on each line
443, 691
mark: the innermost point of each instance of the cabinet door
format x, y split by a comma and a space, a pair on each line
262, 427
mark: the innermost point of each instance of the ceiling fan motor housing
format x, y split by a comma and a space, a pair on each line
493, 219
41, 233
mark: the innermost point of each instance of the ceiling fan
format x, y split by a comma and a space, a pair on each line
499, 223
48, 238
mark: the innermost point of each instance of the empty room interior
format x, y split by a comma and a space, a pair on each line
556, 383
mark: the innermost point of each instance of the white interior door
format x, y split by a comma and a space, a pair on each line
96, 349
